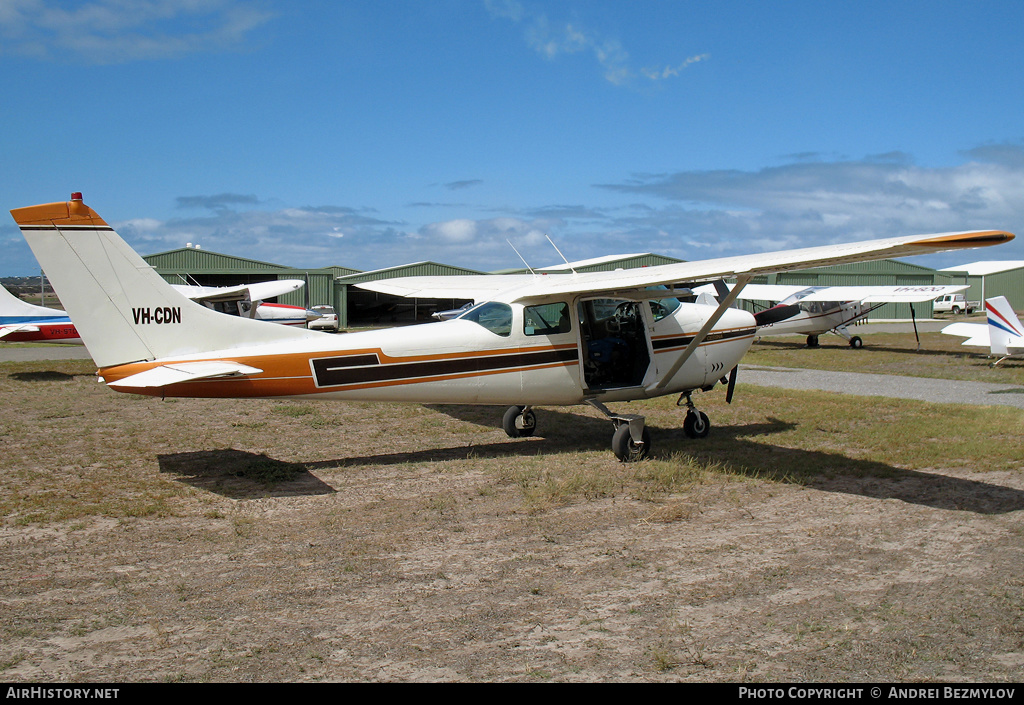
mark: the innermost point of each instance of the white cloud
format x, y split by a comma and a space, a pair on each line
819, 202
551, 39
118, 31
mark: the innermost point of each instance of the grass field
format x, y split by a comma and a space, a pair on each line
811, 537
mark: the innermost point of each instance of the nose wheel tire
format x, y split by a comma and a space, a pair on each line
626, 449
696, 424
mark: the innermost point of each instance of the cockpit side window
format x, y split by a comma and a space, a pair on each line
495, 317
548, 319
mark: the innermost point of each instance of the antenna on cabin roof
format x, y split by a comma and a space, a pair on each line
560, 253
520, 256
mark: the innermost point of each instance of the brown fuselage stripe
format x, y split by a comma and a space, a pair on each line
341, 371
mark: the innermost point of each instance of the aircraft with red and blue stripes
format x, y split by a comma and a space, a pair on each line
22, 322
589, 338
1003, 335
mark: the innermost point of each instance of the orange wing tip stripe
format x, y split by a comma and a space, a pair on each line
978, 238
73, 212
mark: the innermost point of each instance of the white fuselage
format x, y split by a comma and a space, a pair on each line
604, 349
815, 318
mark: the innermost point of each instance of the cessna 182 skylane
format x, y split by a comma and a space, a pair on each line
590, 338
816, 310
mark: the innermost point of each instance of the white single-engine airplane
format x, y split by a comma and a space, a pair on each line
590, 338
1003, 335
816, 310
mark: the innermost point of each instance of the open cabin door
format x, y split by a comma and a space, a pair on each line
615, 343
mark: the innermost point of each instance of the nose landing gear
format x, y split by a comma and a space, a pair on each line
696, 424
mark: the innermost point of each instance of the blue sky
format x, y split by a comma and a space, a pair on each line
375, 133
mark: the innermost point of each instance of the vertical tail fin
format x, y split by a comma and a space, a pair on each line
14, 310
123, 310
1004, 328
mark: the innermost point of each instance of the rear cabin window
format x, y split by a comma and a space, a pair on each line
549, 319
495, 317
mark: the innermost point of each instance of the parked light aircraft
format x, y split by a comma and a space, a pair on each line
591, 338
22, 322
1003, 335
816, 310
248, 300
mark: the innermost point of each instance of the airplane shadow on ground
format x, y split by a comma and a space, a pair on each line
239, 474
43, 376
743, 449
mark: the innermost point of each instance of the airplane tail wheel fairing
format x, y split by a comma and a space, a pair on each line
696, 424
519, 422
626, 449
856, 343
812, 341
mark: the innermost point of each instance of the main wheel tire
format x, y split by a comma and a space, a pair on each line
528, 423
856, 343
812, 341
696, 424
626, 449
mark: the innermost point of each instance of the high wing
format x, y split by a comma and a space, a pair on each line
478, 287
861, 294
258, 291
527, 287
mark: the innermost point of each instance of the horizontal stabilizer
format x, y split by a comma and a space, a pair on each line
184, 372
976, 333
7, 330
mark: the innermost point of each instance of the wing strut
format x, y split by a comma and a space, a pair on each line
741, 281
913, 317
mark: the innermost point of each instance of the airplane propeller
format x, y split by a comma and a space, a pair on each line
732, 385
775, 314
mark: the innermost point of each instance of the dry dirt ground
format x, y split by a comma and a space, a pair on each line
208, 540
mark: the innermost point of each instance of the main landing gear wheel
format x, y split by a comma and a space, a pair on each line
856, 343
696, 424
626, 449
519, 422
631, 440
812, 341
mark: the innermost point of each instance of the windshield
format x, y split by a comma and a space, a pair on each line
662, 307
495, 317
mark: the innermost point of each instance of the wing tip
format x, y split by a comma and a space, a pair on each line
973, 238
